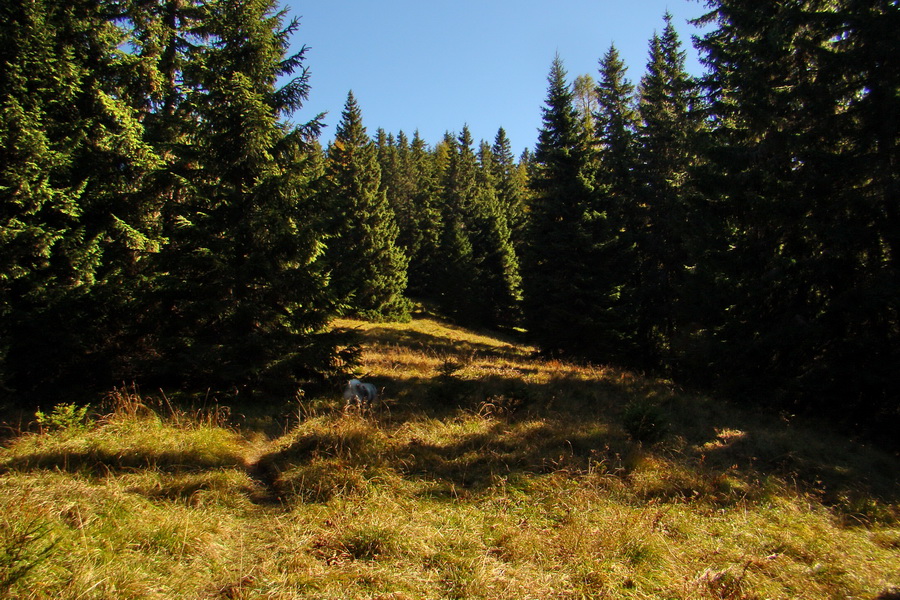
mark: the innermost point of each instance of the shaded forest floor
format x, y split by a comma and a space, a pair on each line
483, 471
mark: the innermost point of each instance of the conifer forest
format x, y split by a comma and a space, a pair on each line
168, 219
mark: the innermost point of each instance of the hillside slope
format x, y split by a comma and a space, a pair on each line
482, 471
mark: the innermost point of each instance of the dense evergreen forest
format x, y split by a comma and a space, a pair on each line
165, 220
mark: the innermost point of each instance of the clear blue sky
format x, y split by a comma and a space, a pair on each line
435, 65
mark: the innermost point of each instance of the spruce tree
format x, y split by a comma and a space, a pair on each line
667, 149
499, 281
404, 179
864, 70
388, 154
457, 276
569, 299
617, 120
368, 268
424, 219
617, 189
74, 226
800, 94
511, 185
241, 289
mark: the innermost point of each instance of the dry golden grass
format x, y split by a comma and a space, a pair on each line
483, 472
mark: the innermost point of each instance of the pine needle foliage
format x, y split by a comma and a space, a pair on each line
571, 278
157, 203
798, 172
74, 227
241, 280
667, 148
368, 267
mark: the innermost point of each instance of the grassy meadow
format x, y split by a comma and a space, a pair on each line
483, 471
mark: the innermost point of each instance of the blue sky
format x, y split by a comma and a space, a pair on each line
435, 65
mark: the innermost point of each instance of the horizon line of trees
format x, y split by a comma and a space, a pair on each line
164, 221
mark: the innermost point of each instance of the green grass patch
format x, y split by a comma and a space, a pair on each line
483, 472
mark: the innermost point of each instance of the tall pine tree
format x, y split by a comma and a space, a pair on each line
241, 289
800, 95
616, 129
368, 268
617, 189
667, 150
74, 225
570, 302
499, 282
458, 266
424, 219
511, 184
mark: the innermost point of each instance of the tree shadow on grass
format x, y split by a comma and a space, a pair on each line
511, 449
657, 441
492, 428
464, 435
100, 462
861, 482
723, 450
709, 450
195, 486
185, 474
130, 445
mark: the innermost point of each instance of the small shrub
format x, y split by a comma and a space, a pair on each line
23, 546
451, 391
450, 367
644, 422
64, 417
